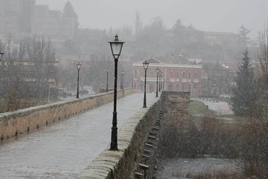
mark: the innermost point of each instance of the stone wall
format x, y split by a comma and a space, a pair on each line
21, 122
122, 164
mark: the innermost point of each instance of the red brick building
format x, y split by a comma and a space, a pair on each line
176, 77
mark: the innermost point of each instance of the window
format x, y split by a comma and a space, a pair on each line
183, 74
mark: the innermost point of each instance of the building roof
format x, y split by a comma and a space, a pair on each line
220, 33
168, 65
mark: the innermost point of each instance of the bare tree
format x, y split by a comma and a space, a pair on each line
263, 54
42, 55
263, 75
27, 71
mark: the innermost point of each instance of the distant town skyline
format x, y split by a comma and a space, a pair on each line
210, 15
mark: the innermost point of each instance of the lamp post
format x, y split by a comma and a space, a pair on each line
1, 55
107, 81
164, 83
160, 80
116, 48
157, 79
78, 65
145, 66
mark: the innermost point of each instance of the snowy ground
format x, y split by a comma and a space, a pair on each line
220, 107
64, 149
184, 168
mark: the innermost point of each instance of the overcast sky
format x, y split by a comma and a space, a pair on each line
213, 15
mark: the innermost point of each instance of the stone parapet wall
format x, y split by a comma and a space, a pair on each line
21, 122
121, 164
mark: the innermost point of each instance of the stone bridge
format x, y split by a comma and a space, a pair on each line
77, 147
14, 124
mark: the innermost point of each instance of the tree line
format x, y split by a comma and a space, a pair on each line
28, 72
250, 93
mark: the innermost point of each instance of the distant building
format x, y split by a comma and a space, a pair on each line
20, 18
176, 77
69, 21
221, 38
15, 16
46, 22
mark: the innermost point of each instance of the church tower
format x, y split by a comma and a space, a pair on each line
69, 21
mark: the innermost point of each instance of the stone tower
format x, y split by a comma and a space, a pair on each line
69, 21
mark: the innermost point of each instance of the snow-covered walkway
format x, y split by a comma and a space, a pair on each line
220, 107
64, 149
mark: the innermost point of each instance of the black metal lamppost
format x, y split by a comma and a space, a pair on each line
162, 84
116, 48
78, 65
1, 55
157, 82
160, 81
107, 81
145, 66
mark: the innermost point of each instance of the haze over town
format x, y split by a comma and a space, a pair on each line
151, 89
210, 15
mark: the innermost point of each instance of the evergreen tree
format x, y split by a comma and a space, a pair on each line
245, 90
243, 36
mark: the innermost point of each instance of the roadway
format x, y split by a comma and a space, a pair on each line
63, 150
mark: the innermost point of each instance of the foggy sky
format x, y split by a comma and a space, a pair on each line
213, 15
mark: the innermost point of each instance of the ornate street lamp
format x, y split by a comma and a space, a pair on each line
145, 66
116, 48
157, 79
78, 65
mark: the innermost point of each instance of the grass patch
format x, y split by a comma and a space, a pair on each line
3, 105
197, 108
